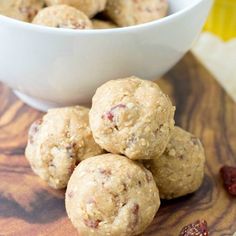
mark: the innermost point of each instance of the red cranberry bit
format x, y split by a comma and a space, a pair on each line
106, 172
135, 209
118, 106
228, 174
135, 212
110, 114
71, 169
92, 223
199, 228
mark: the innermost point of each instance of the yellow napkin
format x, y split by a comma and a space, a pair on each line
222, 19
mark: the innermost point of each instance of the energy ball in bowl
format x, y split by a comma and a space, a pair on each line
58, 142
62, 16
89, 7
24, 10
111, 195
134, 12
101, 24
180, 170
132, 117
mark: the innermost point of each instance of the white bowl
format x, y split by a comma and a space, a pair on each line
51, 67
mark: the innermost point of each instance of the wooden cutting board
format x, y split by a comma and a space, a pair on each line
29, 207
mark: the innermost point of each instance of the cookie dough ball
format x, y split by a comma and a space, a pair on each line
101, 24
180, 170
132, 117
130, 12
63, 16
111, 195
24, 10
89, 7
58, 142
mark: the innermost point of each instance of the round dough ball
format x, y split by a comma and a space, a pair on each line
62, 16
130, 12
58, 142
180, 170
132, 117
101, 24
89, 7
24, 10
111, 195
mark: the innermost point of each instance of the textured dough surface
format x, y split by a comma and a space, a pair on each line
58, 142
111, 195
89, 7
132, 117
62, 16
134, 12
101, 24
23, 10
180, 170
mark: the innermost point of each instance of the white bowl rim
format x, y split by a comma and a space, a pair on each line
130, 29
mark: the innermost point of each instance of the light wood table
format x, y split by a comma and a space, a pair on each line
29, 208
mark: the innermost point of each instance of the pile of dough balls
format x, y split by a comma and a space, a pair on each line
117, 159
85, 14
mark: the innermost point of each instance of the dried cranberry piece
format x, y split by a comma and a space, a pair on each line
135, 209
92, 223
106, 172
110, 114
135, 216
71, 169
199, 228
228, 174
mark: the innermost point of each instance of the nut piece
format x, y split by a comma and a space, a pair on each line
199, 228
62, 16
132, 117
134, 12
89, 7
180, 169
58, 142
111, 195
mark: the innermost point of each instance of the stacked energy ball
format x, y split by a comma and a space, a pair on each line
78, 14
128, 155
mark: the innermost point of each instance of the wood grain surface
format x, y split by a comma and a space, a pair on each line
29, 207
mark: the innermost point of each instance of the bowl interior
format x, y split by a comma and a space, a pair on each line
175, 6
